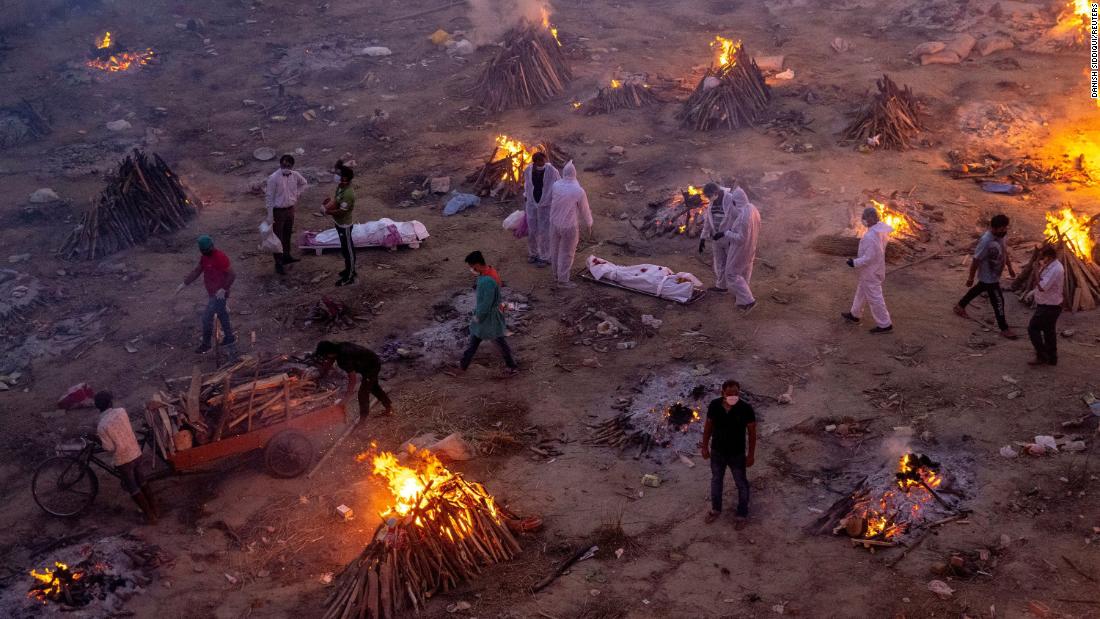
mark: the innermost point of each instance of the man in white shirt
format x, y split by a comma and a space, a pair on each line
117, 437
284, 187
1043, 329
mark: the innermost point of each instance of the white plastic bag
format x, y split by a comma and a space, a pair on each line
512, 221
269, 241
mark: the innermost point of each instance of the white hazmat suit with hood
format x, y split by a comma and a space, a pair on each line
870, 265
742, 249
568, 206
723, 223
538, 212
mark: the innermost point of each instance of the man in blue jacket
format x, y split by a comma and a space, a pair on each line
488, 319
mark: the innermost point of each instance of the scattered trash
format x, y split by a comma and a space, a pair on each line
840, 45
344, 512
831, 427
619, 553
43, 196
119, 125
1011, 189
687, 461
231, 578
374, 51
787, 396
700, 370
627, 345
460, 202
1008, 452
458, 606
651, 480
439, 37
632, 187
785, 75
130, 348
940, 588
1074, 446
78, 396
617, 151
1068, 333
1008, 379
1047, 442
264, 153
440, 184
326, 578
649, 321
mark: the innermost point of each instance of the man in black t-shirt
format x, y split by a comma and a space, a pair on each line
355, 360
729, 420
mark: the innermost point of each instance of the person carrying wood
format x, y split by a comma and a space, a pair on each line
487, 322
870, 264
990, 260
340, 207
116, 435
284, 187
730, 420
538, 179
1049, 295
360, 364
568, 204
218, 276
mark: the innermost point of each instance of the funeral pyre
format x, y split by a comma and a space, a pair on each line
107, 56
732, 93
143, 198
529, 68
887, 506
682, 213
93, 578
891, 119
1072, 235
502, 174
439, 531
910, 218
630, 92
249, 394
1024, 172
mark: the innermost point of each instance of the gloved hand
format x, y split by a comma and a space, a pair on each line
220, 294
717, 235
702, 243
179, 288
850, 263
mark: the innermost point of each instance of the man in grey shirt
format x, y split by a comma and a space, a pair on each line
990, 260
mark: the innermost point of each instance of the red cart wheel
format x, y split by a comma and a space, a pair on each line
288, 454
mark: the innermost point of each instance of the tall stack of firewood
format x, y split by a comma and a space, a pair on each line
529, 68
1082, 283
727, 97
451, 535
630, 93
143, 198
891, 119
496, 178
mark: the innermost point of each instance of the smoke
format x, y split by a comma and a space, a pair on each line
896, 446
492, 18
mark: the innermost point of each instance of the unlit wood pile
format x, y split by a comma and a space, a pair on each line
1082, 284
496, 177
889, 120
728, 97
407, 563
629, 94
847, 246
237, 399
143, 198
681, 214
529, 68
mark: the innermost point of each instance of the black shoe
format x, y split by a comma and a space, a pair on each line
291, 260
346, 281
279, 270
229, 341
886, 329
203, 349
849, 317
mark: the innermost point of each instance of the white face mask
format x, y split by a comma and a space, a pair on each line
540, 168
474, 271
732, 399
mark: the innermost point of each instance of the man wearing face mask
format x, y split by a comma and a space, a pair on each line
870, 264
538, 178
730, 420
284, 187
340, 208
488, 320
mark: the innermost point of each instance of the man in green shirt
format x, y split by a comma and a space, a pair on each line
488, 320
340, 208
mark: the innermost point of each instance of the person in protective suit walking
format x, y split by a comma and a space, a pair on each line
734, 228
870, 264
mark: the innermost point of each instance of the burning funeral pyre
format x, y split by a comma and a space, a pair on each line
886, 507
680, 214
631, 92
1072, 235
891, 119
502, 174
143, 198
106, 56
529, 68
910, 219
247, 395
440, 531
732, 93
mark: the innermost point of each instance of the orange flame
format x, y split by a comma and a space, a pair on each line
48, 584
1073, 228
121, 62
897, 221
727, 51
104, 41
616, 84
518, 152
546, 24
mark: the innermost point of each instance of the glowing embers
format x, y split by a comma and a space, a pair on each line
109, 58
502, 174
680, 214
630, 92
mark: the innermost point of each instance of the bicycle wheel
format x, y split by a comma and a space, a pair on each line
64, 486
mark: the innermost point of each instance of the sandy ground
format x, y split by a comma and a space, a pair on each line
408, 115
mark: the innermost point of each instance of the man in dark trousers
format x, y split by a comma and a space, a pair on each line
1049, 294
116, 435
358, 362
218, 277
284, 187
729, 420
488, 320
990, 260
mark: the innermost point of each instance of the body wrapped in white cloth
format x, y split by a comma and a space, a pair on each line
648, 278
381, 233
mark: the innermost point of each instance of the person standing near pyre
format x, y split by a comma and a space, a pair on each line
538, 179
870, 264
1049, 295
568, 204
284, 187
734, 229
729, 441
990, 260
340, 207
218, 277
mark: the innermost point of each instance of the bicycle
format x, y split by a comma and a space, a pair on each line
65, 484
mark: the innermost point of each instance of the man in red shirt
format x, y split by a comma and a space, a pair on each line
217, 276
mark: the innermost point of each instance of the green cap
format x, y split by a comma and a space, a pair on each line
205, 242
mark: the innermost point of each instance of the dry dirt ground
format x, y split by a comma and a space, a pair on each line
409, 115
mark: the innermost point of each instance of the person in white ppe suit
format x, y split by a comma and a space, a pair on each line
538, 181
870, 264
568, 207
718, 221
735, 242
